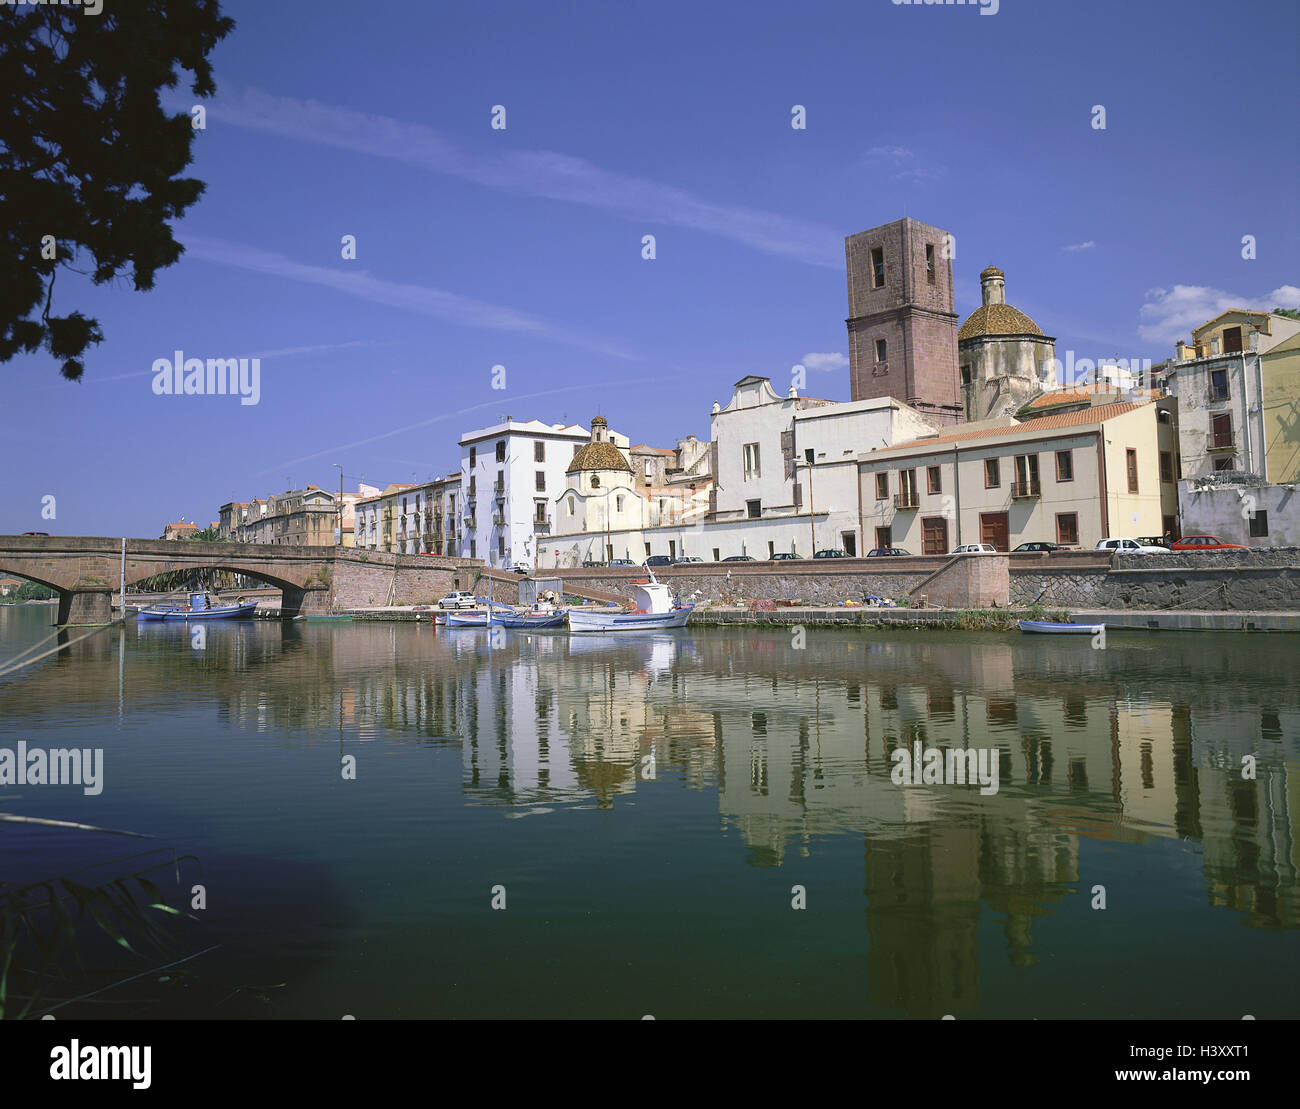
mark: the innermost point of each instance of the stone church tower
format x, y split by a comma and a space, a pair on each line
902, 325
1005, 358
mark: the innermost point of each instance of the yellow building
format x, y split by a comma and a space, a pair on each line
1072, 478
1281, 395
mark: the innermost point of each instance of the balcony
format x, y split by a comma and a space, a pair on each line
498, 519
905, 501
542, 527
1216, 396
1221, 443
1024, 490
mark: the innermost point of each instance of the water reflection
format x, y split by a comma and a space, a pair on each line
1138, 744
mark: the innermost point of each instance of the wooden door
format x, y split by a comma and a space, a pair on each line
995, 529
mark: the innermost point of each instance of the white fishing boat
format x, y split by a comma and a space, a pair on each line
654, 612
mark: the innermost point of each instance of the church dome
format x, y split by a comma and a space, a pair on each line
991, 271
598, 456
997, 319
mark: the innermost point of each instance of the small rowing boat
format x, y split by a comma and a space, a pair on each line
1048, 627
200, 607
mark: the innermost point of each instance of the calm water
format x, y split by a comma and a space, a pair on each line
637, 885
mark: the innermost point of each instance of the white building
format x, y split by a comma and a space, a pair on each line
510, 474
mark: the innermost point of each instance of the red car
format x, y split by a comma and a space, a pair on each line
1206, 543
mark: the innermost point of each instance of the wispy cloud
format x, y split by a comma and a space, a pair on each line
544, 173
420, 299
902, 164
1170, 314
831, 361
1074, 247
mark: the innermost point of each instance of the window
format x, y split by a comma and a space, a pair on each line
570, 506
1226, 463
649, 467
1026, 481
716, 554
882, 487
595, 481
473, 480
501, 547
1067, 528
540, 484
992, 474
933, 481
1167, 467
884, 537
618, 504
473, 454
539, 511
750, 452
473, 548
1131, 457
576, 448
539, 451
1259, 525
1231, 340
771, 548
1065, 465
877, 268
1221, 432
929, 262
501, 451
1218, 385
965, 375
907, 487
647, 550
753, 509
880, 350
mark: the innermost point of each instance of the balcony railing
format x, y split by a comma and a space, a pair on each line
1020, 490
1222, 443
903, 501
542, 527
1216, 396
498, 519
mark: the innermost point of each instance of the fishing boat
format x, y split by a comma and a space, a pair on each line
488, 619
200, 607
1047, 627
654, 612
534, 619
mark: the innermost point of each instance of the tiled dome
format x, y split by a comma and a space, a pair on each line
997, 319
598, 456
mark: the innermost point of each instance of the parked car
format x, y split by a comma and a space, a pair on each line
1129, 546
785, 558
975, 548
1153, 541
522, 568
43, 534
1049, 547
1206, 543
621, 562
739, 558
686, 558
458, 600
658, 560
885, 552
831, 552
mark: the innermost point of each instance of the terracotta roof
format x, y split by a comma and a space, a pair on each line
1071, 396
1061, 419
598, 456
997, 319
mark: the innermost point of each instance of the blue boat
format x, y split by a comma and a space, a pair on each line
1047, 627
200, 607
531, 619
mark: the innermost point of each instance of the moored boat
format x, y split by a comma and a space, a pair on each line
531, 619
654, 612
200, 607
1048, 627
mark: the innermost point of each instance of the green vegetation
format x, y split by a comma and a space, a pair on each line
31, 591
90, 163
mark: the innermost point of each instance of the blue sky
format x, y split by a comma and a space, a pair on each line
522, 247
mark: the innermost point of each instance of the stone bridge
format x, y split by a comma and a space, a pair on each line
314, 580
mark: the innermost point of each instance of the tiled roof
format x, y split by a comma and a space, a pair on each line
1043, 423
598, 456
1071, 396
992, 271
997, 319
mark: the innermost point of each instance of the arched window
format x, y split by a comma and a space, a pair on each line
570, 506
595, 481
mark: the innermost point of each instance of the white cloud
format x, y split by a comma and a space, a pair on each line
1079, 246
1170, 314
832, 361
545, 173
412, 298
902, 164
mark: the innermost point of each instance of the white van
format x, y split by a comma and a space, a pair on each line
1129, 546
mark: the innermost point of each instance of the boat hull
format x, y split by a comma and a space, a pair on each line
1045, 627
473, 620
547, 620
627, 621
217, 612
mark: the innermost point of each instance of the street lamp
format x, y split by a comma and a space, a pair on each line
338, 539
812, 516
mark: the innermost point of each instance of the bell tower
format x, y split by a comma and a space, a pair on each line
902, 323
